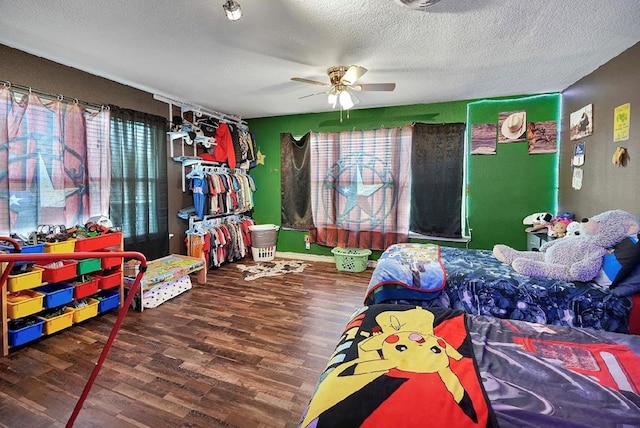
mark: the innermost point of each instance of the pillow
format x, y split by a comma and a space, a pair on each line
620, 262
630, 285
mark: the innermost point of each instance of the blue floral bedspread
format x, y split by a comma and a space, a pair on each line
479, 284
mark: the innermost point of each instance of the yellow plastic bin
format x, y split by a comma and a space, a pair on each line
23, 303
60, 322
24, 281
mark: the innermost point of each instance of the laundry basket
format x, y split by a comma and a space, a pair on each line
351, 259
264, 238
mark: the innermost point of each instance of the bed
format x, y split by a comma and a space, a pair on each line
406, 366
474, 282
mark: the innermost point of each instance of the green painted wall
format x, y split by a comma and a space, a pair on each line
503, 188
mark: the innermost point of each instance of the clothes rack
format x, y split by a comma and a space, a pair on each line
219, 240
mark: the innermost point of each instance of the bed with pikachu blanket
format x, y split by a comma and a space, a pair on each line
592, 280
407, 366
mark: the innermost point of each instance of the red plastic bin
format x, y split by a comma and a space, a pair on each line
99, 242
111, 262
108, 280
84, 289
65, 272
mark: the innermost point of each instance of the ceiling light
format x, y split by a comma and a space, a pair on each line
345, 100
232, 9
333, 99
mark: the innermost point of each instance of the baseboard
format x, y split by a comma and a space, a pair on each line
315, 258
307, 257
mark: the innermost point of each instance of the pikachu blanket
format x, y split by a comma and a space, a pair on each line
401, 366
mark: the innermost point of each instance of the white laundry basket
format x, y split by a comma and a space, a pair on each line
264, 238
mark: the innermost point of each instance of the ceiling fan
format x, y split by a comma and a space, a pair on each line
343, 82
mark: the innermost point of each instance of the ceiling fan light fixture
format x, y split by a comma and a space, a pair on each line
417, 4
333, 99
345, 100
232, 10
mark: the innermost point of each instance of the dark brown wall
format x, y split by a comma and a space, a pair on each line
21, 68
604, 186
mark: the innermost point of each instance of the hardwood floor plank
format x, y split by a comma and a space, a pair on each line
228, 353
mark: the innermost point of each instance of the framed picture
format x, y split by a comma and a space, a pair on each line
541, 137
512, 126
483, 139
581, 123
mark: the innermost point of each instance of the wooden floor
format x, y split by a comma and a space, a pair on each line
231, 353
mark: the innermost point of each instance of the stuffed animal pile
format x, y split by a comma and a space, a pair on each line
578, 258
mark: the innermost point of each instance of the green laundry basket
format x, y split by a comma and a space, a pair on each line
351, 259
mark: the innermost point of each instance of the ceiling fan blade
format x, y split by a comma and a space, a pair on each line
355, 99
374, 87
313, 82
352, 75
311, 95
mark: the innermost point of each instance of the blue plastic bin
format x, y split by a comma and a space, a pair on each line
26, 334
109, 299
37, 248
27, 249
56, 294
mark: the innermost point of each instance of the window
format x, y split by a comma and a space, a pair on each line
370, 189
139, 200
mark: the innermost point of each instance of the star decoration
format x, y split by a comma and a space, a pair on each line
14, 200
358, 193
260, 158
50, 197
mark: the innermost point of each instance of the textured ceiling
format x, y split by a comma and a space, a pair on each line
455, 50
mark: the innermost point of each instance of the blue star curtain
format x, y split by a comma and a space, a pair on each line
360, 187
54, 162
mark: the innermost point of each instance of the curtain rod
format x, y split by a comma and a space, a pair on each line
28, 90
185, 106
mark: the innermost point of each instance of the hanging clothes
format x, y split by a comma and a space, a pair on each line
220, 240
224, 151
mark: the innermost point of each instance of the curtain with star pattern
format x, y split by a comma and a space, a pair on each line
360, 187
54, 162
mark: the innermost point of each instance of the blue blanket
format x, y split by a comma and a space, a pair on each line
478, 284
407, 271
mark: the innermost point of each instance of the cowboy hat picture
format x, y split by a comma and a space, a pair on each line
512, 126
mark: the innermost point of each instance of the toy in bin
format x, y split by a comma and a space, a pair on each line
131, 268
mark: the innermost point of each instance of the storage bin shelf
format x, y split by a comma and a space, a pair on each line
44, 296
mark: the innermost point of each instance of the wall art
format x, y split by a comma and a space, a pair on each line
581, 123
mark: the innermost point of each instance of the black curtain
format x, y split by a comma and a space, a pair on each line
139, 198
437, 179
295, 182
